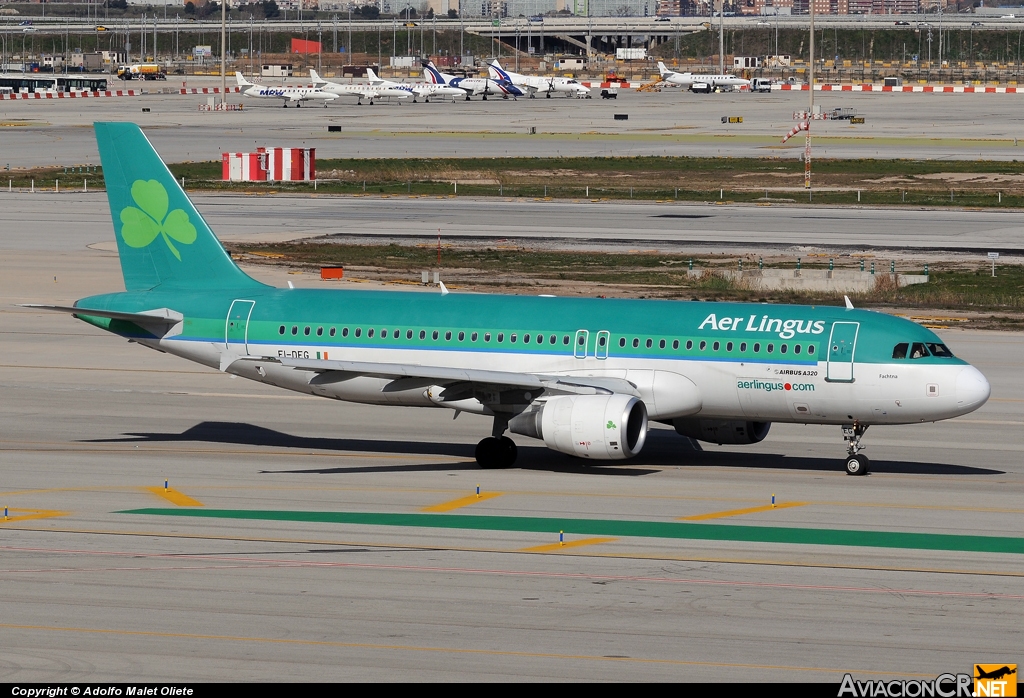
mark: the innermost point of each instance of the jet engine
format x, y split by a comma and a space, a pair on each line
721, 431
602, 427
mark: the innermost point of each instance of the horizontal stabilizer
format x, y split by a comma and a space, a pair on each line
159, 316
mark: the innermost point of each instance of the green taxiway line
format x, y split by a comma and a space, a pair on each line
617, 528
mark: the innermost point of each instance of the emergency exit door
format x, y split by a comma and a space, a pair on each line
842, 345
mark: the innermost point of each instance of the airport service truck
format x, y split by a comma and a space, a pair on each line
141, 71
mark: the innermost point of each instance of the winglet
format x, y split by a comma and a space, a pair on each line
849, 305
444, 289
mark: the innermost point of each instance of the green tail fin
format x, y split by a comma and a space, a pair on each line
161, 238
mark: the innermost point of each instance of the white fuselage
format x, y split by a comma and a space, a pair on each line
897, 393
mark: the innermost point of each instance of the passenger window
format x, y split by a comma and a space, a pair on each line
369, 333
434, 335
383, 334
423, 334
554, 340
757, 347
689, 344
703, 345
675, 343
501, 336
565, 340
650, 343
600, 340
582, 340
408, 334
743, 346
917, 351
796, 349
344, 332
771, 348
728, 347
319, 331
473, 337
281, 331
462, 336
306, 331
487, 336
512, 338
397, 334
636, 342
295, 330
715, 346
940, 350
359, 331
448, 336
622, 341
810, 348
900, 350
334, 331
661, 344
526, 339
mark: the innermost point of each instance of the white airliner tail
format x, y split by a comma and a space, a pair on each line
242, 82
372, 77
662, 69
315, 77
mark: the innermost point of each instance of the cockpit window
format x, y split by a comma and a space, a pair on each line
917, 351
900, 351
940, 350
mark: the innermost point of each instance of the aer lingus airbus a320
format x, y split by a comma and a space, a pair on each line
582, 375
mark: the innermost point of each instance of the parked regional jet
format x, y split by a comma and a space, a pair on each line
583, 375
419, 89
473, 86
701, 83
533, 84
362, 91
290, 95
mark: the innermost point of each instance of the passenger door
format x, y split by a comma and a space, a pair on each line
236, 327
842, 345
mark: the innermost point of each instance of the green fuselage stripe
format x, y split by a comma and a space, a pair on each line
618, 528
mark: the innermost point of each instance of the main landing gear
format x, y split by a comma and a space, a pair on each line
856, 463
497, 451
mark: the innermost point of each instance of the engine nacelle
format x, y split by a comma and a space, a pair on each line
602, 427
721, 431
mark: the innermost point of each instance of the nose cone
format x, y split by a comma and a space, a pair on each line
972, 389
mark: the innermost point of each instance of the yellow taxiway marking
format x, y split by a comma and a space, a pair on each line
29, 514
462, 502
174, 497
740, 512
554, 547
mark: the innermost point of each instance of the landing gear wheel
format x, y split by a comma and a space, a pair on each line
857, 464
496, 452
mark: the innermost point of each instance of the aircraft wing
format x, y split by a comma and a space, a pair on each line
413, 375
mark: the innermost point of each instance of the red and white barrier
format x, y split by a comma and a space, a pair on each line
71, 95
943, 89
206, 90
270, 165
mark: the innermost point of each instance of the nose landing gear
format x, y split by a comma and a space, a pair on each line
856, 463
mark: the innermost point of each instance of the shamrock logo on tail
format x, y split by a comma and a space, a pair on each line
143, 224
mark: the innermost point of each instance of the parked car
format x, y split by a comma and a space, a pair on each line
901, 23
662, 19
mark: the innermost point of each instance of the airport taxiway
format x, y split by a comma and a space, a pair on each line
313, 557
47, 220
39, 133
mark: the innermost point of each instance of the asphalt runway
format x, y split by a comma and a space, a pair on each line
913, 125
300, 570
75, 220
